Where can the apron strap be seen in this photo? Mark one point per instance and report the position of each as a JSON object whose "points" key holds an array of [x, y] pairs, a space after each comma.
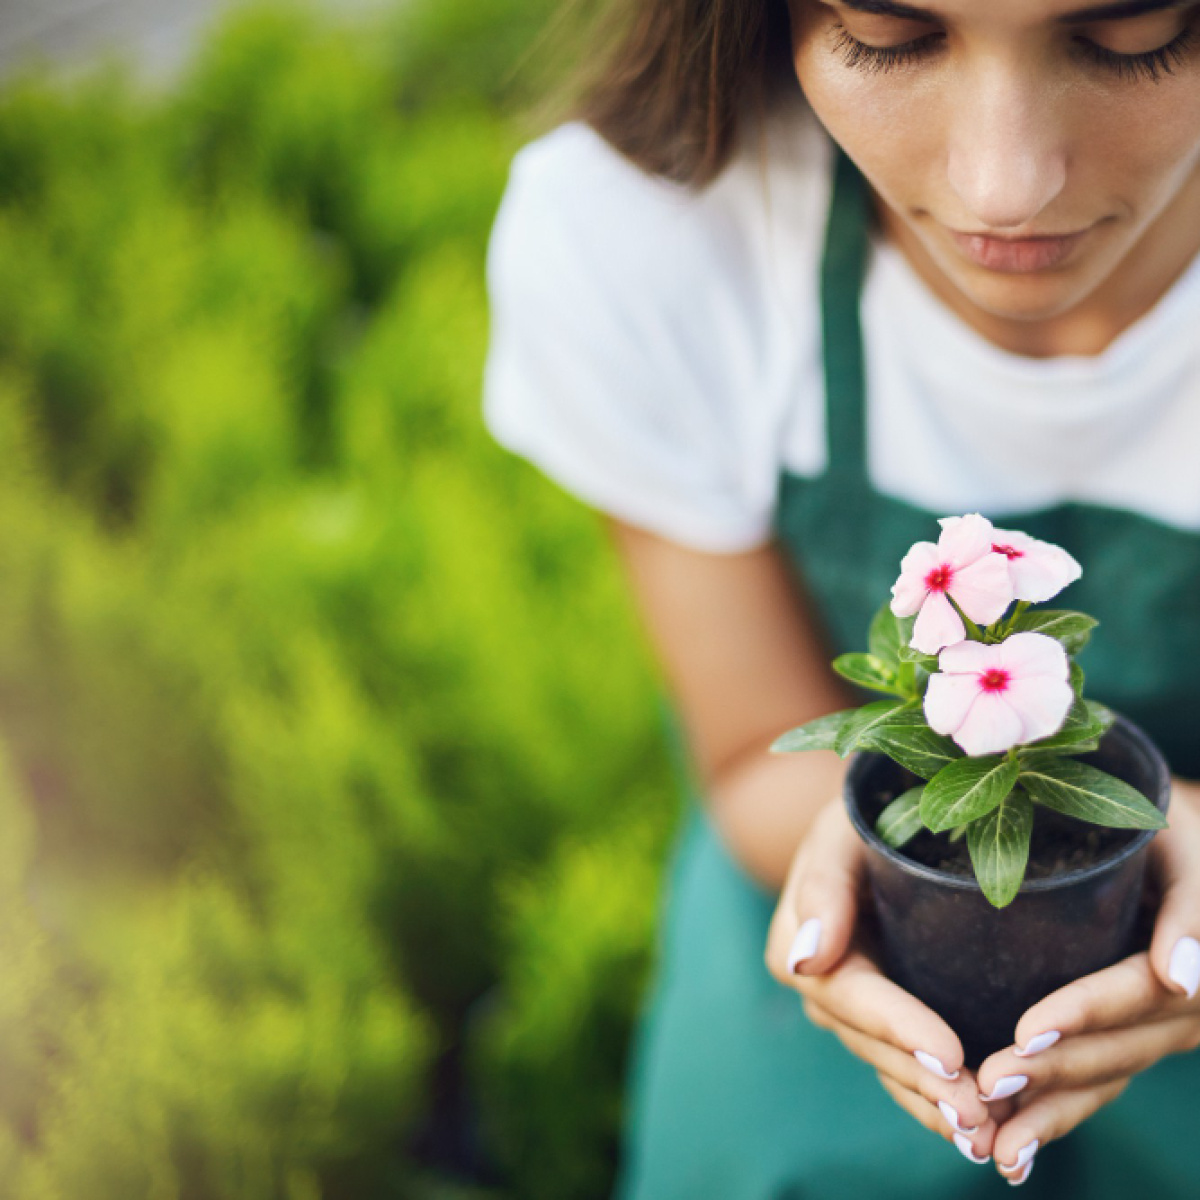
{"points": [[843, 269]]}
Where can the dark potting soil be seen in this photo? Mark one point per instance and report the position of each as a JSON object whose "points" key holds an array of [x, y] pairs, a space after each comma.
{"points": [[1058, 844]]}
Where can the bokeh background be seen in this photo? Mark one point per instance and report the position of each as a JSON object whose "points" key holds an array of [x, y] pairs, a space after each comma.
{"points": [[333, 797]]}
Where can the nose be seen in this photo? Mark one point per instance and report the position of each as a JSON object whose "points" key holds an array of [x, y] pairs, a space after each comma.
{"points": [[1006, 160]]}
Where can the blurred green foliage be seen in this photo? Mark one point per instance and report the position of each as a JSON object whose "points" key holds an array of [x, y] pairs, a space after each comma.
{"points": [[332, 787]]}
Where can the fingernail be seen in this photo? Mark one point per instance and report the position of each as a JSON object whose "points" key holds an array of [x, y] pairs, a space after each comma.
{"points": [[1024, 1156], [1017, 1180], [951, 1115], [804, 944], [1006, 1085], [1043, 1041], [932, 1064], [967, 1150], [1184, 967]]}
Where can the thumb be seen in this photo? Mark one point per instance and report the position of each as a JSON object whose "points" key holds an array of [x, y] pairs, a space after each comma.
{"points": [[1175, 946], [815, 917]]}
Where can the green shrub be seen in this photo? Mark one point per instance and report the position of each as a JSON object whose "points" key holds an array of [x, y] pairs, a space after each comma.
{"points": [[552, 1048], [329, 723]]}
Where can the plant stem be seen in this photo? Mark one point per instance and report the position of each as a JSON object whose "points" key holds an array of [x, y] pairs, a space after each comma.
{"points": [[973, 630], [1022, 605], [956, 834]]}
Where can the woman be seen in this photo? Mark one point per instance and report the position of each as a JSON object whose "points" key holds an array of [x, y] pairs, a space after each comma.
{"points": [[774, 336]]}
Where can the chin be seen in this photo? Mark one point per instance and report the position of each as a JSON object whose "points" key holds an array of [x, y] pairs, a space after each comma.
{"points": [[1039, 297], [1026, 296]]}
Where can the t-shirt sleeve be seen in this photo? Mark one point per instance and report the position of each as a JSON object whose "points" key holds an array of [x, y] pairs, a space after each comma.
{"points": [[604, 366]]}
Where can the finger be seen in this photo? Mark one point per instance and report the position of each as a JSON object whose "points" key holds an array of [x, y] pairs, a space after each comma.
{"points": [[1046, 1117], [814, 919], [1175, 946], [956, 1099], [1127, 992], [858, 995], [929, 1116], [1090, 1059]]}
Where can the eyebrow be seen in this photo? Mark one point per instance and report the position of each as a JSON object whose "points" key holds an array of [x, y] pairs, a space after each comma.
{"points": [[1122, 10]]}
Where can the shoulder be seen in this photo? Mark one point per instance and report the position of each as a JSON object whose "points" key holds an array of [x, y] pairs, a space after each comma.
{"points": [[576, 209], [648, 340]]}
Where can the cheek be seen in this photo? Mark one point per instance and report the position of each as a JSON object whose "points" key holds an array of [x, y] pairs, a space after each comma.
{"points": [[890, 126], [1143, 141]]}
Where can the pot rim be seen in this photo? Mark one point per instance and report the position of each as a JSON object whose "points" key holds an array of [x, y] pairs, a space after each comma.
{"points": [[1134, 737]]}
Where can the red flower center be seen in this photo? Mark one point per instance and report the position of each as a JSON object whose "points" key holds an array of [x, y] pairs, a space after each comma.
{"points": [[994, 680], [938, 580], [1008, 551]]}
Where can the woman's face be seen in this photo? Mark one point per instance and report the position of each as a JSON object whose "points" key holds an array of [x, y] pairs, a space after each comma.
{"points": [[986, 125]]}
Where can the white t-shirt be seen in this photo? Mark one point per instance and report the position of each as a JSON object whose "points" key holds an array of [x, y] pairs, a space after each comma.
{"points": [[656, 351]]}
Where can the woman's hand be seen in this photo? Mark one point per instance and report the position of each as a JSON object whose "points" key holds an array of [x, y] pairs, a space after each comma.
{"points": [[814, 946], [1082, 1044]]}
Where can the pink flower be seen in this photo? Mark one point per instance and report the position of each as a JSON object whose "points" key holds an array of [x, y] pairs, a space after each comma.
{"points": [[1039, 570], [988, 698], [961, 567]]}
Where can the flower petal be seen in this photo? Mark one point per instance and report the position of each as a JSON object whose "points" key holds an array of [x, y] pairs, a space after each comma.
{"points": [[909, 591], [964, 539], [908, 594], [1043, 573], [968, 658], [990, 727], [1041, 704], [937, 626], [948, 699], [921, 558], [1028, 655], [1019, 541], [984, 589]]}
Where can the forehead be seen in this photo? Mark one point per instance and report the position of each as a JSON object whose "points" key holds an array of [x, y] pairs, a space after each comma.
{"points": [[1015, 12]]}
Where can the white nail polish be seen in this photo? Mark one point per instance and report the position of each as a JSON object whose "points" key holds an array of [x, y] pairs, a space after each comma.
{"points": [[967, 1150], [1043, 1041], [932, 1064], [951, 1115], [1024, 1156], [1017, 1180], [1026, 1153], [1184, 966], [804, 944], [1006, 1085]]}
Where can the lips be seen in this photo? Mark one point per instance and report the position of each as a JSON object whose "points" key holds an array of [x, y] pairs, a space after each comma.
{"points": [[1016, 255]]}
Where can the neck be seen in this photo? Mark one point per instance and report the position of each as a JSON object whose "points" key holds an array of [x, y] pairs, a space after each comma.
{"points": [[1156, 260]]}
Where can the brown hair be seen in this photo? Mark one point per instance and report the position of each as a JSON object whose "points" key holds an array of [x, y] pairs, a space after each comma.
{"points": [[680, 78]]}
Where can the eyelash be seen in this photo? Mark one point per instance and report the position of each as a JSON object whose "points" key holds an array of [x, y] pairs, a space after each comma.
{"points": [[1152, 64]]}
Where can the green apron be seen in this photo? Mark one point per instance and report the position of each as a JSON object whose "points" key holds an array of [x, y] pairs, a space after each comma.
{"points": [[734, 1094]]}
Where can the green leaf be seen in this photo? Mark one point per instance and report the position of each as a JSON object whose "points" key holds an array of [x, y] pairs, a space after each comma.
{"points": [[865, 720], [867, 671], [1089, 794], [913, 745], [888, 633], [1071, 628], [999, 846], [1104, 717], [901, 820], [819, 734], [1081, 747], [912, 679], [1077, 678], [928, 661], [966, 789], [884, 636]]}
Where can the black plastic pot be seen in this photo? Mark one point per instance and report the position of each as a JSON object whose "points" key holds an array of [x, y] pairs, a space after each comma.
{"points": [[980, 967]]}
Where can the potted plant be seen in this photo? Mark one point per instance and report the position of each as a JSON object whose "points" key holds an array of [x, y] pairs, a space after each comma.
{"points": [[1006, 815]]}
